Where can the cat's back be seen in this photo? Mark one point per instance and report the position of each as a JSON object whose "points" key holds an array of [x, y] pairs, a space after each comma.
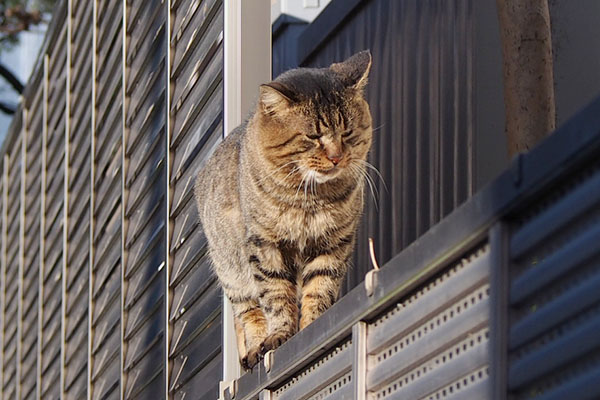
{"points": [[217, 181]]}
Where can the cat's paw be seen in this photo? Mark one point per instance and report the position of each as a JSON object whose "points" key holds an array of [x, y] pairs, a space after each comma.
{"points": [[251, 359], [273, 341]]}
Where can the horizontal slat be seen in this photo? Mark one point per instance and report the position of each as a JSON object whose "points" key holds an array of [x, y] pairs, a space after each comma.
{"points": [[195, 122], [192, 256], [454, 285], [183, 188], [577, 202], [198, 356], [446, 373], [192, 29], [583, 247], [184, 225], [325, 372], [204, 383], [559, 309], [195, 318], [198, 76], [570, 346], [585, 386], [433, 340]]}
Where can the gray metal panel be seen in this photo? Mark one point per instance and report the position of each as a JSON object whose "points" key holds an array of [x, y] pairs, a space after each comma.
{"points": [[421, 100], [144, 225], [10, 278], [106, 212], [31, 253], [322, 377], [78, 207], [52, 239], [435, 336], [196, 127], [554, 347]]}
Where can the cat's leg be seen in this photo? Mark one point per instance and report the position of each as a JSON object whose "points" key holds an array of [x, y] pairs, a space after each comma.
{"points": [[321, 280], [278, 298], [240, 337], [250, 326]]}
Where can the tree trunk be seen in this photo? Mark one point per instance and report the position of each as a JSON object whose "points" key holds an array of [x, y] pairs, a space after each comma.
{"points": [[528, 74]]}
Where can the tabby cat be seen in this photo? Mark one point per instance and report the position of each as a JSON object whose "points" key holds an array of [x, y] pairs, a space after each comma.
{"points": [[280, 200]]}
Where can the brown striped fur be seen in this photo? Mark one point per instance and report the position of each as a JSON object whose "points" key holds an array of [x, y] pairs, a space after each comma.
{"points": [[280, 201]]}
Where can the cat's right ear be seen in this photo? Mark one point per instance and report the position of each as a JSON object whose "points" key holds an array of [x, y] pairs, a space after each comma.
{"points": [[275, 98]]}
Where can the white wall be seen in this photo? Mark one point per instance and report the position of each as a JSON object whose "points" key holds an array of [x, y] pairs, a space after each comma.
{"points": [[306, 10]]}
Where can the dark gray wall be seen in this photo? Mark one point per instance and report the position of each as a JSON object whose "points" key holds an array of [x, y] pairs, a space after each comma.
{"points": [[576, 47], [429, 58]]}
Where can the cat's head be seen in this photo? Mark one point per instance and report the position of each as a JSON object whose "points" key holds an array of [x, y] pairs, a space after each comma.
{"points": [[316, 121]]}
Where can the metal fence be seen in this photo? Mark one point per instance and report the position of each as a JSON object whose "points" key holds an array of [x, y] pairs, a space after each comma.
{"points": [[106, 291], [500, 300]]}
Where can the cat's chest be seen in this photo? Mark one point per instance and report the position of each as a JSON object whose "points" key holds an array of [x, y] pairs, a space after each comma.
{"points": [[300, 225]]}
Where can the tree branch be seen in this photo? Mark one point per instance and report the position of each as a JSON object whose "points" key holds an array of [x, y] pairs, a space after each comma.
{"points": [[6, 109], [11, 78]]}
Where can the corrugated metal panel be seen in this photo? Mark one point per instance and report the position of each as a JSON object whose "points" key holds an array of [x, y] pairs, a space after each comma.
{"points": [[78, 207], [145, 202], [53, 207], [196, 127], [421, 96], [553, 342], [11, 281], [106, 208], [31, 252], [3, 324]]}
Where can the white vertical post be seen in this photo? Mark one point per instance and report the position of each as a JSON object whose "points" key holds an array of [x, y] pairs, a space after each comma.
{"points": [[123, 228], [247, 46], [167, 272]]}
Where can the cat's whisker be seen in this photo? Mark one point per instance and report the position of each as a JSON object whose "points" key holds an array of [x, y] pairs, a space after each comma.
{"points": [[373, 168], [372, 187], [277, 170], [299, 186], [378, 128]]}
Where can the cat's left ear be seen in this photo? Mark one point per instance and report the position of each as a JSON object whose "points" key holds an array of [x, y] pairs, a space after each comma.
{"points": [[354, 71], [275, 98]]}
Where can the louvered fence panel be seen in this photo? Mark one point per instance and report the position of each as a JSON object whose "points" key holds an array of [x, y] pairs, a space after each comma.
{"points": [[329, 377], [53, 220], [106, 205], [434, 344], [31, 252], [554, 345], [3, 323], [10, 339], [78, 203], [196, 122], [145, 225]]}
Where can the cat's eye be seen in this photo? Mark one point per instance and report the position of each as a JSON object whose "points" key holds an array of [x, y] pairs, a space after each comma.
{"points": [[347, 133], [313, 136]]}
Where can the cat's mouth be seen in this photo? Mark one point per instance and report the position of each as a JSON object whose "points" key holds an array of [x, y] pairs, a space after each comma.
{"points": [[324, 175]]}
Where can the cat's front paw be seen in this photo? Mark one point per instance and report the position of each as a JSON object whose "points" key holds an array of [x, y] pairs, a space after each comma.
{"points": [[251, 359], [273, 341]]}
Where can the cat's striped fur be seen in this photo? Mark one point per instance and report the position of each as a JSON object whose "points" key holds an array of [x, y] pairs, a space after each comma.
{"points": [[280, 201]]}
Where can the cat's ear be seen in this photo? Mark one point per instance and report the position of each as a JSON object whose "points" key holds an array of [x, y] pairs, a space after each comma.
{"points": [[354, 71], [275, 98]]}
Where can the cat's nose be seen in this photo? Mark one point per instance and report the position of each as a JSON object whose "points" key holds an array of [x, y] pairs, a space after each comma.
{"points": [[334, 158]]}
